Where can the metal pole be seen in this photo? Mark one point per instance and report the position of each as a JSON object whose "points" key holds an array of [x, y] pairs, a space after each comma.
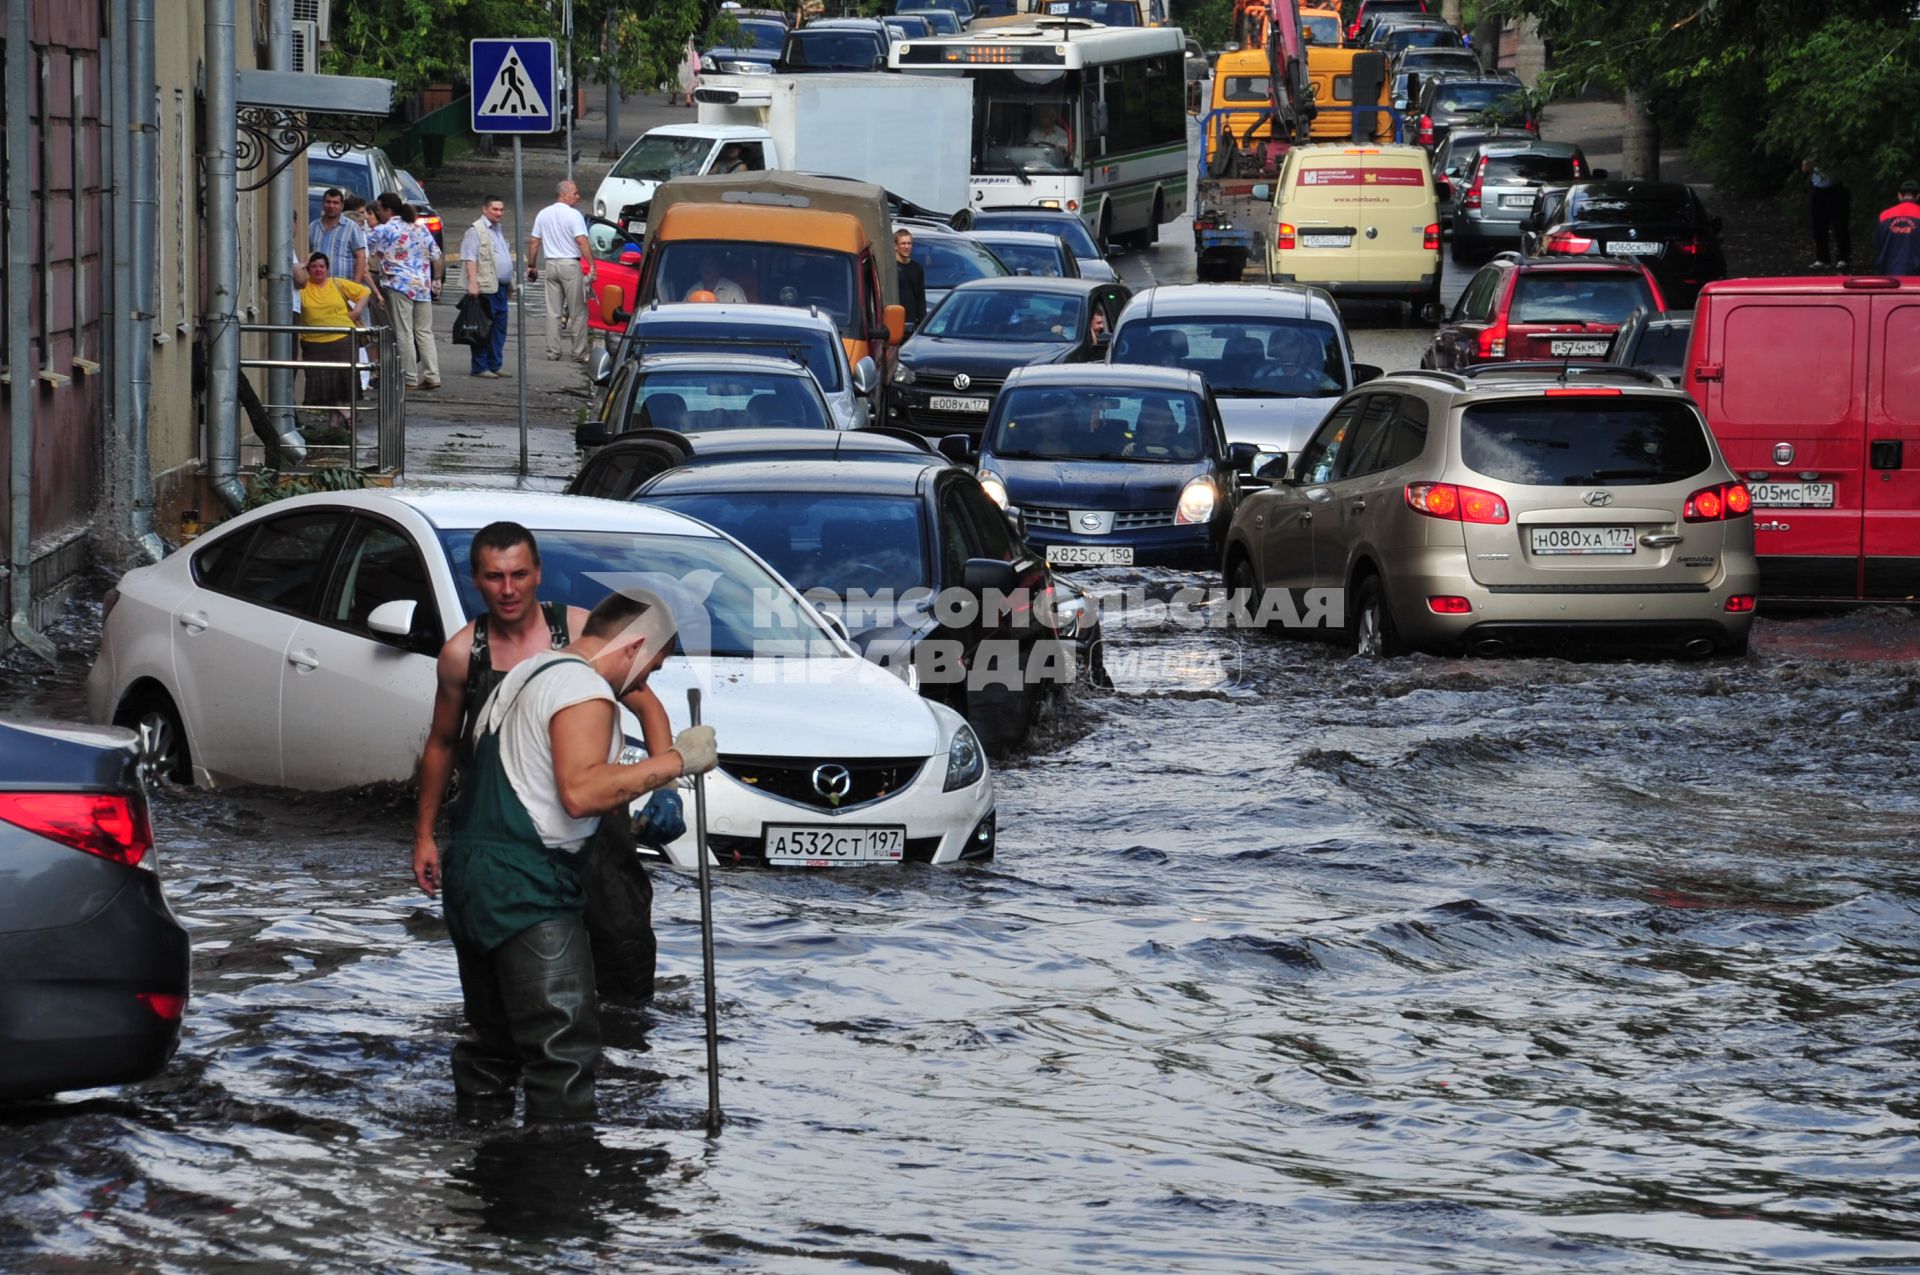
{"points": [[20, 277], [566, 29], [116, 234], [223, 350], [706, 929], [280, 214], [143, 297], [519, 296]]}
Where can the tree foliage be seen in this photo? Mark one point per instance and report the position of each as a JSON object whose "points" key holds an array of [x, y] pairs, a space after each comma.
{"points": [[1756, 85]]}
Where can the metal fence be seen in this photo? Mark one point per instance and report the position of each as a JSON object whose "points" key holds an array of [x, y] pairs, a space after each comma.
{"points": [[375, 405]]}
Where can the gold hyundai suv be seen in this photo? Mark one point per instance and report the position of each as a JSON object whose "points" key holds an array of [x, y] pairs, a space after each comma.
{"points": [[1508, 504]]}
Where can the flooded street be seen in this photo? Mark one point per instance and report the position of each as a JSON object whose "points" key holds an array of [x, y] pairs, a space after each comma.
{"points": [[1288, 961]]}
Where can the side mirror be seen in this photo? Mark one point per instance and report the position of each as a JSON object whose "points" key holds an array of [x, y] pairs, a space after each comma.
{"points": [[1432, 313], [1273, 469], [1399, 103], [1103, 338], [1598, 174], [981, 574], [866, 376], [895, 317], [1263, 192], [1243, 455], [603, 366], [612, 297], [1364, 372], [394, 619], [1018, 521], [590, 434], [957, 448], [629, 256]]}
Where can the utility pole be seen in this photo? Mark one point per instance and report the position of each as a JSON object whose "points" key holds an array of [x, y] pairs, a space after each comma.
{"points": [[566, 31]]}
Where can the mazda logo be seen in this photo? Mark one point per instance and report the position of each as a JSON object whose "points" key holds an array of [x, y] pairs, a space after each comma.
{"points": [[961, 381], [833, 781], [1783, 453], [1598, 498], [1090, 521]]}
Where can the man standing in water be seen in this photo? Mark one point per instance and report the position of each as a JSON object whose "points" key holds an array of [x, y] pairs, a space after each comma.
{"points": [[505, 562], [546, 768]]}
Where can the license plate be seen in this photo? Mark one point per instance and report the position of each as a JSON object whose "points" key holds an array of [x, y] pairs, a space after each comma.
{"points": [[1575, 540], [1092, 555], [1631, 248], [1579, 347], [941, 404], [829, 847], [1326, 241], [1516, 201], [1792, 495]]}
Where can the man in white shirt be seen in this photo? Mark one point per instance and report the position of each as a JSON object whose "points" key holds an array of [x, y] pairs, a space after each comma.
{"points": [[559, 246]]}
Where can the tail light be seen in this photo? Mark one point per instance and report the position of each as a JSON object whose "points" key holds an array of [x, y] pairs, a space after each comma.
{"points": [[1714, 504], [1686, 247], [434, 224], [1532, 126], [167, 1005], [1472, 199], [1567, 242], [1448, 604], [1456, 503], [1426, 130], [1204, 223], [102, 824], [1492, 341], [1430, 237], [1739, 603], [1283, 236]]}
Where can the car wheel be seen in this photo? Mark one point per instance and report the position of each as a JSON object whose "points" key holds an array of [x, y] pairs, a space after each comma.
{"points": [[165, 754], [1244, 583], [1105, 238], [1374, 634], [1001, 717]]}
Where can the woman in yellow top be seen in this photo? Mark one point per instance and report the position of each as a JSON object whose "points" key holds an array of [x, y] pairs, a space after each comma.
{"points": [[327, 302]]}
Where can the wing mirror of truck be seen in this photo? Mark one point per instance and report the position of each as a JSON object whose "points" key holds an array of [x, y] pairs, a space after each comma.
{"points": [[1243, 455], [612, 297], [957, 448], [865, 375], [1364, 372], [1263, 192], [895, 317]]}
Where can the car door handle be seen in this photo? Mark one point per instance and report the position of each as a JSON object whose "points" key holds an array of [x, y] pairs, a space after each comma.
{"points": [[1661, 540], [193, 621], [1359, 503], [306, 661], [1319, 494], [1306, 515]]}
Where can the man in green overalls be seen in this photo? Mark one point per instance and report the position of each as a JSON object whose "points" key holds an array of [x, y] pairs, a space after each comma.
{"points": [[545, 769]]}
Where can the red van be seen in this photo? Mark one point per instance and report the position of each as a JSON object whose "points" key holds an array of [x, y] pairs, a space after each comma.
{"points": [[1812, 387]]}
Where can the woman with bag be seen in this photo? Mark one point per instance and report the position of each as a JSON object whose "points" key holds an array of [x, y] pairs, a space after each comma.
{"points": [[327, 302]]}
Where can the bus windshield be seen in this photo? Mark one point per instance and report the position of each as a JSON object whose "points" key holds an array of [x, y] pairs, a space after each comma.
{"points": [[1027, 134]]}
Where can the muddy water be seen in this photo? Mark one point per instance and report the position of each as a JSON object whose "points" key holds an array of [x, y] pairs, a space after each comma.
{"points": [[1288, 962]]}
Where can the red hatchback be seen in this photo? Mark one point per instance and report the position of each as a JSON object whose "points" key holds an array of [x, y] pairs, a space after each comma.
{"points": [[616, 277], [1529, 309]]}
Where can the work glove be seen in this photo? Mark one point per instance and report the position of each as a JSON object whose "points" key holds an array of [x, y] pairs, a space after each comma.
{"points": [[661, 820], [697, 752]]}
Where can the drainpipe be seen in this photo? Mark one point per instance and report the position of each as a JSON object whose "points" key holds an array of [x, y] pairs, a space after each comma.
{"points": [[21, 276], [279, 238], [144, 132], [222, 319]]}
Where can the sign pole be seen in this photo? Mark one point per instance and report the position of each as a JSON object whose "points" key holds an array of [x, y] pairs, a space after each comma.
{"points": [[520, 298], [566, 24]]}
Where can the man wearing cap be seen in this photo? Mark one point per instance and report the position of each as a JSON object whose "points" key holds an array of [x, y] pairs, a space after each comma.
{"points": [[1896, 236]]}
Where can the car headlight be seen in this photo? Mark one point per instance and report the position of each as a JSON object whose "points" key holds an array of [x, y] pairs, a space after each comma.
{"points": [[903, 375], [1069, 612], [966, 761], [753, 68], [1197, 501], [994, 486]]}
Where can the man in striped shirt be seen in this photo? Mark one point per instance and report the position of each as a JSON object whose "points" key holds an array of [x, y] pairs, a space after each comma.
{"points": [[342, 239]]}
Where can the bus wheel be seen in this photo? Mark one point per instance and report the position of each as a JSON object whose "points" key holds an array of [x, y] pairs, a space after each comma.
{"points": [[1151, 235], [1105, 239]]}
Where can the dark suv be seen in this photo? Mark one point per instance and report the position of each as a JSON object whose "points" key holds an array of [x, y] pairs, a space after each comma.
{"points": [[1534, 308], [1662, 225], [1459, 101]]}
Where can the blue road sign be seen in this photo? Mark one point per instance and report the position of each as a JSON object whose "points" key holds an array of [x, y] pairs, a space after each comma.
{"points": [[514, 86]]}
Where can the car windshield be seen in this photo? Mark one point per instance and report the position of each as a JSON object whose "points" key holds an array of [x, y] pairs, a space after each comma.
{"points": [[658, 157], [1084, 423], [1072, 229], [1529, 169], [988, 314], [942, 22], [1246, 88], [718, 594], [959, 8], [1420, 38], [1112, 13], [1574, 442], [1427, 61], [909, 25], [719, 398], [950, 260], [737, 272], [818, 348], [756, 33], [832, 47], [353, 176], [1029, 259], [1322, 29], [1241, 358], [1510, 99], [1579, 296], [820, 540], [1630, 210], [410, 190]]}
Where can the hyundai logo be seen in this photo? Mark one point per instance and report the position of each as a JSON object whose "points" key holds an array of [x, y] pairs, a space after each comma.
{"points": [[1783, 453], [1090, 521], [1598, 498], [961, 381], [833, 781]]}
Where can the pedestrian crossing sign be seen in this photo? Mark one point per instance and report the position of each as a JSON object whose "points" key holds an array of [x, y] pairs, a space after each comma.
{"points": [[513, 86]]}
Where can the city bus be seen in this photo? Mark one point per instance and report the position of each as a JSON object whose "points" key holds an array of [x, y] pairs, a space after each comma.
{"points": [[1072, 115]]}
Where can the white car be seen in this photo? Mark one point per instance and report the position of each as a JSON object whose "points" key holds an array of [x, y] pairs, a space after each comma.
{"points": [[295, 646]]}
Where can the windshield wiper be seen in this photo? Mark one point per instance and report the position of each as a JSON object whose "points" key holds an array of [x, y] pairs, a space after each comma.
{"points": [[1026, 455]]}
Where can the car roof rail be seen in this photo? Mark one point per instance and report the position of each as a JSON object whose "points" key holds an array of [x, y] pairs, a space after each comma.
{"points": [[900, 432], [1510, 254], [1453, 379], [1532, 368]]}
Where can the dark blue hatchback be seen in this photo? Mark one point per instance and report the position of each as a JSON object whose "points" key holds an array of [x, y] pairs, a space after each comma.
{"points": [[1113, 466]]}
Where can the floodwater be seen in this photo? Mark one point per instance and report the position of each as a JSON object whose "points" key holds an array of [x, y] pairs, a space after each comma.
{"points": [[1288, 961]]}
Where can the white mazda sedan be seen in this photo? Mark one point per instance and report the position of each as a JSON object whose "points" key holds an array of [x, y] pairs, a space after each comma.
{"points": [[295, 646]]}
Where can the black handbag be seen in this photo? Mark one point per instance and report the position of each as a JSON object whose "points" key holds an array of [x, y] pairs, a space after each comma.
{"points": [[473, 324]]}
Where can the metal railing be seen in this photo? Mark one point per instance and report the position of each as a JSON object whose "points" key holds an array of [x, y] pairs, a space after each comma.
{"points": [[376, 415]]}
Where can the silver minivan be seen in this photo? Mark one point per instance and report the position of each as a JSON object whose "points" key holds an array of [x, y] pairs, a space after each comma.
{"points": [[1275, 355], [1493, 194]]}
